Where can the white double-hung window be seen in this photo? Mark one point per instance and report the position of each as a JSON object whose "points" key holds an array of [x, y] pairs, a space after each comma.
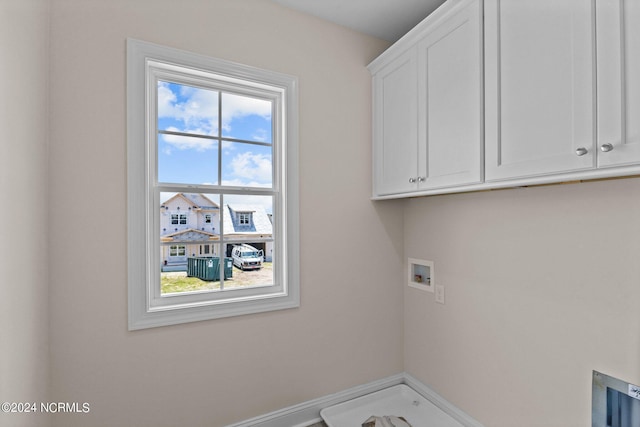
{"points": [[208, 139]]}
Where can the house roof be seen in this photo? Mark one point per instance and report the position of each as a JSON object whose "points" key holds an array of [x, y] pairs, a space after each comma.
{"points": [[260, 224], [197, 200]]}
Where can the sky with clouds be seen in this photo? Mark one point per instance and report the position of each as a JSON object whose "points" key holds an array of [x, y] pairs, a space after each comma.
{"points": [[194, 159]]}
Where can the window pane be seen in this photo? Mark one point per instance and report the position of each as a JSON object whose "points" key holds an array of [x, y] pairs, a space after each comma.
{"points": [[189, 239], [198, 212], [198, 275], [247, 165], [187, 160], [251, 265], [248, 230], [188, 109], [246, 118], [248, 217]]}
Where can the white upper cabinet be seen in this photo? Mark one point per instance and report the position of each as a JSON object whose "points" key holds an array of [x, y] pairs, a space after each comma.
{"points": [[618, 32], [496, 93], [540, 87], [450, 109], [396, 125], [427, 111]]}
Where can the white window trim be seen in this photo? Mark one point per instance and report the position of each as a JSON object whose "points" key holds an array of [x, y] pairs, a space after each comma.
{"points": [[143, 256]]}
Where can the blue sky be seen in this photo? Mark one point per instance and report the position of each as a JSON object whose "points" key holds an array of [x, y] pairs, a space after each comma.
{"points": [[193, 160]]}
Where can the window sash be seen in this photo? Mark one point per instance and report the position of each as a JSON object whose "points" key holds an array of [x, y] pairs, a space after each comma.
{"points": [[162, 72]]}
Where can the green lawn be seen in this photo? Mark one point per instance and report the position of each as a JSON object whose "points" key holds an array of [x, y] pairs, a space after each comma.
{"points": [[172, 282]]}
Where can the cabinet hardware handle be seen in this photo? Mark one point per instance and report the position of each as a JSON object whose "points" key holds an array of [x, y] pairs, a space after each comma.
{"points": [[581, 151], [421, 179], [412, 180], [606, 147]]}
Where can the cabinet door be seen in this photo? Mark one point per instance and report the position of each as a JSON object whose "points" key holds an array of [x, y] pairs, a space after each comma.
{"points": [[618, 82], [450, 102], [396, 126], [539, 82]]}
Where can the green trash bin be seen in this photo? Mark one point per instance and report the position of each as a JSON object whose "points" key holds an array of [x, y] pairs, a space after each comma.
{"points": [[207, 269], [189, 268], [210, 269], [228, 268], [192, 267]]}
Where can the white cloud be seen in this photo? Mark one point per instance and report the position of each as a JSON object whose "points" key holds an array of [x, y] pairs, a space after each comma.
{"points": [[243, 183], [234, 106], [196, 108], [166, 101], [256, 167], [260, 135]]}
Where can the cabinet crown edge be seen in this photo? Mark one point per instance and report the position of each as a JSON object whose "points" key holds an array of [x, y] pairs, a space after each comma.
{"points": [[424, 27]]}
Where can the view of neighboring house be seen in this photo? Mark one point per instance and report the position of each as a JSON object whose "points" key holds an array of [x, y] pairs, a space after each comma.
{"points": [[190, 227]]}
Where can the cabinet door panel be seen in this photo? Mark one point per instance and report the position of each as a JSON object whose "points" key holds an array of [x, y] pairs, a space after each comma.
{"points": [[618, 81], [450, 105], [539, 87], [396, 126]]}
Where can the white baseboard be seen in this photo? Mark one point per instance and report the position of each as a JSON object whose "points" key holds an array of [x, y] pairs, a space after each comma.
{"points": [[307, 413], [446, 406]]}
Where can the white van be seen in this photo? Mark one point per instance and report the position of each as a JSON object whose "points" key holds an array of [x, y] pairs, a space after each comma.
{"points": [[246, 257]]}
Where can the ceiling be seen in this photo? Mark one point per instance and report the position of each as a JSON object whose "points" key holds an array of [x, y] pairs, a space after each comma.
{"points": [[385, 19]]}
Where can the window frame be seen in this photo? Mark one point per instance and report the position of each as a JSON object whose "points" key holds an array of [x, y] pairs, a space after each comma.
{"points": [[146, 307]]}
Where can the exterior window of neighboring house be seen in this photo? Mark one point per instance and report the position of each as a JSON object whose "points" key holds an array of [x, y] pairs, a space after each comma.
{"points": [[220, 137], [244, 218], [179, 219], [178, 250]]}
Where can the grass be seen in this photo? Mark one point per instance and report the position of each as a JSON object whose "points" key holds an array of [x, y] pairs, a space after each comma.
{"points": [[175, 282]]}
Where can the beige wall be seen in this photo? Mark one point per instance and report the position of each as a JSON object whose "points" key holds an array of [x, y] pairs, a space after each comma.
{"points": [[348, 328], [24, 354], [542, 287], [541, 283]]}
